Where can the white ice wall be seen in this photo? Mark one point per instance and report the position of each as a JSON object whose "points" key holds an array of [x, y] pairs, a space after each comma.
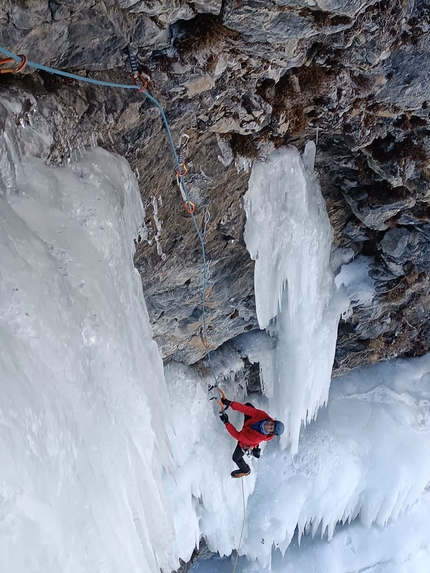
{"points": [[288, 234], [83, 402]]}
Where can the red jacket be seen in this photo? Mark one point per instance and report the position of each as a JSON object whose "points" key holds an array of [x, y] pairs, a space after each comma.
{"points": [[248, 437]]}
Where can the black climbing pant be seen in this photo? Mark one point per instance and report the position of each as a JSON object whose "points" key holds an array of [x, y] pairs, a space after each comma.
{"points": [[238, 459]]}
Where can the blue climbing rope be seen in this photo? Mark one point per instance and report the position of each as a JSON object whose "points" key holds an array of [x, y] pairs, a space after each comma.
{"points": [[19, 59], [67, 74]]}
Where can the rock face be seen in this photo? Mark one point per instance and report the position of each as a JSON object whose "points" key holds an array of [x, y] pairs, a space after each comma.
{"points": [[241, 78]]}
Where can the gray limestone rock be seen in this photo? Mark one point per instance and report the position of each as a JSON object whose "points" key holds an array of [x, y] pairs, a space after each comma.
{"points": [[375, 206], [394, 243], [259, 22], [243, 78], [342, 7], [408, 70]]}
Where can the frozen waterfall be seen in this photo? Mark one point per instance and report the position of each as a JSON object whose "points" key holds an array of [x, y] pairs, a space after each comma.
{"points": [[289, 236], [83, 404], [111, 463]]}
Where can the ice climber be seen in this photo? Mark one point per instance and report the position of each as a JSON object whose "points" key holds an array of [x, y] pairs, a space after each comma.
{"points": [[258, 427]]}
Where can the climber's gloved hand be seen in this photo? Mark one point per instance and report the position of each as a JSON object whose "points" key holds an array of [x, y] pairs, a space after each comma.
{"points": [[256, 452], [224, 418], [226, 403]]}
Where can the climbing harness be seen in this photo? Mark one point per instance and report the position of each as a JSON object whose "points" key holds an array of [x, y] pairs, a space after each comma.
{"points": [[10, 60], [137, 78]]}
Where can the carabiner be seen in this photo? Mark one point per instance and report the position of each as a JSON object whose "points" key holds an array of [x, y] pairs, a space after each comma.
{"points": [[21, 65]]}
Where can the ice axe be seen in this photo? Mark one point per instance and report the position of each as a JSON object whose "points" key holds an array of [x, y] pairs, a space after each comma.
{"points": [[219, 401]]}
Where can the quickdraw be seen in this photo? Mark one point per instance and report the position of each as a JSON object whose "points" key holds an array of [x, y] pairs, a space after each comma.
{"points": [[181, 171], [135, 74], [189, 205], [203, 338], [19, 68]]}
